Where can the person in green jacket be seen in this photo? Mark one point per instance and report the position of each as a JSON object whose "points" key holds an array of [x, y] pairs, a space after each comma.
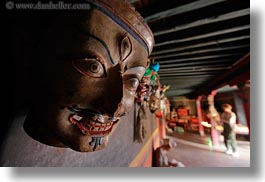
{"points": [[228, 118]]}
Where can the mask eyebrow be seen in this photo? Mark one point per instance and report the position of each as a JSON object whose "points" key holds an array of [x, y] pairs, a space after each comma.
{"points": [[135, 70], [99, 40]]}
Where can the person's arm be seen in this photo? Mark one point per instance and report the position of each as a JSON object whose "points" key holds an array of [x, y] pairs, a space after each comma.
{"points": [[222, 119], [232, 120]]}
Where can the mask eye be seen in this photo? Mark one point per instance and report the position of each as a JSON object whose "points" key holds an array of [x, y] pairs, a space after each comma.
{"points": [[125, 48], [131, 84], [90, 67], [95, 68]]}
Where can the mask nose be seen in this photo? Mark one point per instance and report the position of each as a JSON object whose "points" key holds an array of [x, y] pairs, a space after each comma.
{"points": [[119, 99], [120, 92], [113, 89], [129, 94], [124, 106]]}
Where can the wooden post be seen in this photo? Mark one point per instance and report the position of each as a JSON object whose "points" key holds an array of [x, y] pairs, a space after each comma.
{"points": [[199, 114], [213, 114], [246, 98], [161, 126]]}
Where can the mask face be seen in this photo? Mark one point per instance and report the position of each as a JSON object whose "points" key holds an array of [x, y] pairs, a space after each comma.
{"points": [[89, 72], [154, 101]]}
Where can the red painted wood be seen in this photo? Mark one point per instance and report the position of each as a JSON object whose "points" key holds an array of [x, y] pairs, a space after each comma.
{"points": [[148, 161], [199, 114]]}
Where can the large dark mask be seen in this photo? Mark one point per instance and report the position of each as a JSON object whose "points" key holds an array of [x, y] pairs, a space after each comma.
{"points": [[91, 64]]}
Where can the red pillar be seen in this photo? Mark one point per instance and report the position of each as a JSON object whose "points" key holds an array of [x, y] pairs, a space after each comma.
{"points": [[247, 110], [199, 113], [246, 97], [161, 126], [163, 120]]}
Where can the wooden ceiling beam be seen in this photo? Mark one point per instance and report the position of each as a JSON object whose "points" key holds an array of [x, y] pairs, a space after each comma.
{"points": [[197, 58], [181, 9], [198, 67], [186, 77], [241, 67], [202, 51], [201, 45], [206, 35], [191, 73], [199, 63], [192, 80], [227, 16], [133, 1], [193, 69]]}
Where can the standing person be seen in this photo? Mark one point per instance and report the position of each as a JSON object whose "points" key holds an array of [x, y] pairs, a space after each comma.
{"points": [[228, 118]]}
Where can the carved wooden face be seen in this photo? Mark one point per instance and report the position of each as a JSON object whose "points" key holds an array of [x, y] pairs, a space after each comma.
{"points": [[154, 103], [91, 70]]}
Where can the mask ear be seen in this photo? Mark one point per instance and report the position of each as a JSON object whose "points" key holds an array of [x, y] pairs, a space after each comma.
{"points": [[125, 47], [148, 63]]}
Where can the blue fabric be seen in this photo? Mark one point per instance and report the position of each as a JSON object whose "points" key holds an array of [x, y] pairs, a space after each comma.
{"points": [[155, 67]]}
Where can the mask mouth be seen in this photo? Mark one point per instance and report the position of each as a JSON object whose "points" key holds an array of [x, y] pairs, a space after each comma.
{"points": [[91, 123]]}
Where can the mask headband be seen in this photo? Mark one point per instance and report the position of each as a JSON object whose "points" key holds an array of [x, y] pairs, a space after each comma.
{"points": [[124, 14]]}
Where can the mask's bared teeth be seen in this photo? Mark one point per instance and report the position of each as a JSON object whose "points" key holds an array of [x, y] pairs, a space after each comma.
{"points": [[102, 129], [92, 122], [84, 132], [88, 128], [74, 118], [94, 129], [85, 124], [98, 118], [114, 119], [107, 128], [82, 129], [77, 118], [93, 126]]}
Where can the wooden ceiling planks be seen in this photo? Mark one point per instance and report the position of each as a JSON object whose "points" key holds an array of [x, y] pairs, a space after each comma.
{"points": [[197, 41]]}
